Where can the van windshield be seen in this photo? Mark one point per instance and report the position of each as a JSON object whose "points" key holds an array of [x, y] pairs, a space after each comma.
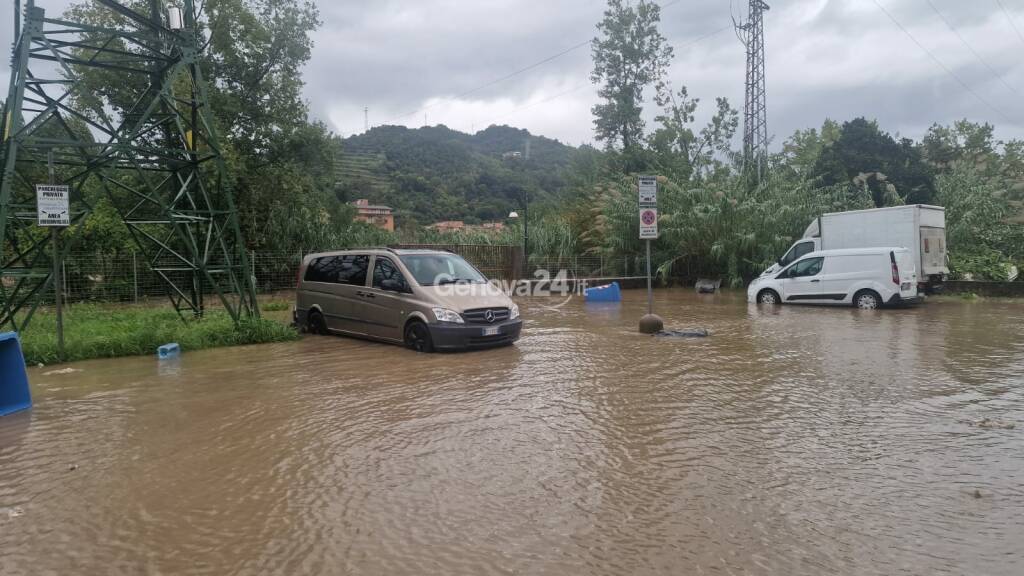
{"points": [[438, 269]]}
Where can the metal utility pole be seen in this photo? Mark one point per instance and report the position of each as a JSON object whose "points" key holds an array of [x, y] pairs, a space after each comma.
{"points": [[755, 124], [526, 211], [148, 143]]}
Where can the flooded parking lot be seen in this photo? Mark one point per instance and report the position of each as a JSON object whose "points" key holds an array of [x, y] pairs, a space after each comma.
{"points": [[792, 441]]}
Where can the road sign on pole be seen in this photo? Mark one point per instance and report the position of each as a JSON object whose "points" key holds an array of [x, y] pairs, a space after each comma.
{"points": [[648, 189], [647, 196], [648, 223]]}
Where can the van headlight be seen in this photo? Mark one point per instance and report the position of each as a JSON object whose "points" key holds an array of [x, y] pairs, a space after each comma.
{"points": [[446, 315], [513, 312]]}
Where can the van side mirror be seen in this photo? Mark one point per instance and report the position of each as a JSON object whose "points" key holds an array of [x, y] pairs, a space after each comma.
{"points": [[393, 285]]}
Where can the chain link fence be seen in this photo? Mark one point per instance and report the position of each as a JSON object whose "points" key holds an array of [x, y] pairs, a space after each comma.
{"points": [[126, 277]]}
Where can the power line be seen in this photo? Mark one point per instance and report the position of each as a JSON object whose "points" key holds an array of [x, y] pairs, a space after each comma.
{"points": [[1010, 19], [971, 48], [678, 45], [939, 62], [522, 70]]}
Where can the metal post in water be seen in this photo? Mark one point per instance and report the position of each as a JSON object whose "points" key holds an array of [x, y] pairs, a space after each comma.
{"points": [[650, 296], [57, 265], [135, 277]]}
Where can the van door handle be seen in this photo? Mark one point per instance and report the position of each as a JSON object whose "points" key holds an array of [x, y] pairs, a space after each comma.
{"points": [[815, 280], [365, 294]]}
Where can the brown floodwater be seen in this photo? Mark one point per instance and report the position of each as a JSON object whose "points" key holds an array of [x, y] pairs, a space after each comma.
{"points": [[791, 441]]}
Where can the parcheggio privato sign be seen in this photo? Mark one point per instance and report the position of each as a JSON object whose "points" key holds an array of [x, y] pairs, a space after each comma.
{"points": [[53, 205]]}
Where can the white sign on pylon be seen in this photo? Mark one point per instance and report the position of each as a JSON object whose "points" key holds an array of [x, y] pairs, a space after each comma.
{"points": [[53, 205]]}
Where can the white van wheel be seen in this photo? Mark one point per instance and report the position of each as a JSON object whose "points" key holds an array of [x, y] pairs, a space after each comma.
{"points": [[769, 297], [867, 300]]}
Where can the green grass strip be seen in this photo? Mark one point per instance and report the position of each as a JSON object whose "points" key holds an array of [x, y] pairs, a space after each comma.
{"points": [[93, 331]]}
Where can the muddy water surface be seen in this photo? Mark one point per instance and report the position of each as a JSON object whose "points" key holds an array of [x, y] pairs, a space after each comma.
{"points": [[792, 441]]}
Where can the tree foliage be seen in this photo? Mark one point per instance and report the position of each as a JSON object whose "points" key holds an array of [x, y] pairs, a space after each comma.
{"points": [[862, 150], [681, 153], [630, 55]]}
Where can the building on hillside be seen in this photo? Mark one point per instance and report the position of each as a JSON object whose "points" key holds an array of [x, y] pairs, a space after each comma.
{"points": [[380, 216], [448, 225], [453, 225]]}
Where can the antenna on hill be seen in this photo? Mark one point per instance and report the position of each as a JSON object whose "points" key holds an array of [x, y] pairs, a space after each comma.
{"points": [[366, 118], [526, 154], [755, 124]]}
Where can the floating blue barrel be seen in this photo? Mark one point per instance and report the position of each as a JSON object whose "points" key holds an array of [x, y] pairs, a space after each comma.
{"points": [[14, 393], [166, 351], [606, 293]]}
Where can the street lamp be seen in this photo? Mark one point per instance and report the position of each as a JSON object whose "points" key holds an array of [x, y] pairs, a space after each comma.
{"points": [[526, 252]]}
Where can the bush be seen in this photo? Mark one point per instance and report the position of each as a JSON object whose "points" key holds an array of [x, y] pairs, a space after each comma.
{"points": [[979, 265]]}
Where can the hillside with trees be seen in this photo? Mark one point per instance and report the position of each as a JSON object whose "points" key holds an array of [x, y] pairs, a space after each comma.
{"points": [[435, 173]]}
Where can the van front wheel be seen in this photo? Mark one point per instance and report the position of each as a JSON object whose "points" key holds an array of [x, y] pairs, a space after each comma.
{"points": [[867, 300], [417, 337], [769, 297]]}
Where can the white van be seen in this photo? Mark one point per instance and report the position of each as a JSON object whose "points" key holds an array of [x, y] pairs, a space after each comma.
{"points": [[864, 277]]}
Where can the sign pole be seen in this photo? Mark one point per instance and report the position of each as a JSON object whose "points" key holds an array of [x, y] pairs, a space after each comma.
{"points": [[650, 294], [57, 266], [647, 189]]}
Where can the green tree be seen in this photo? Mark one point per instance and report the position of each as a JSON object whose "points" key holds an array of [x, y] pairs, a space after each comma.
{"points": [[801, 150], [629, 55], [281, 164], [862, 149], [679, 152]]}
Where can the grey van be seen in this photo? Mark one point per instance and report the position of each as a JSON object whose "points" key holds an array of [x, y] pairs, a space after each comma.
{"points": [[425, 299]]}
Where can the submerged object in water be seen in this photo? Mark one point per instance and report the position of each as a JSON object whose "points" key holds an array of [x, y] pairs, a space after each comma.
{"points": [[606, 293], [171, 350], [689, 333], [705, 286]]}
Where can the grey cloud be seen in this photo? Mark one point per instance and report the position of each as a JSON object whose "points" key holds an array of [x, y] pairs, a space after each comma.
{"points": [[835, 58]]}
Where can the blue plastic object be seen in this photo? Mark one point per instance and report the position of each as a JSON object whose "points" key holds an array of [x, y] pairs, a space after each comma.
{"points": [[14, 393], [606, 293], [171, 350]]}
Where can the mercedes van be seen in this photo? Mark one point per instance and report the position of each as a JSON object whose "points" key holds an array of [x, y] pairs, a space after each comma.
{"points": [[426, 299], [866, 278]]}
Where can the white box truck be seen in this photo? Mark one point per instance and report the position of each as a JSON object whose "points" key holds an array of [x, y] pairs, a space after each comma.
{"points": [[918, 228]]}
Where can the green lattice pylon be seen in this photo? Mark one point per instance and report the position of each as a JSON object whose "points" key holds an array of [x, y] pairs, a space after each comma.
{"points": [[122, 110]]}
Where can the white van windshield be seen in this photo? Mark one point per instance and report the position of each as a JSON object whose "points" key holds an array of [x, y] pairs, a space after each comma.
{"points": [[438, 269]]}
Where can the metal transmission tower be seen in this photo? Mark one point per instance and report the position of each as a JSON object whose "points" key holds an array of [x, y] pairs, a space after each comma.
{"points": [[121, 108], [755, 125]]}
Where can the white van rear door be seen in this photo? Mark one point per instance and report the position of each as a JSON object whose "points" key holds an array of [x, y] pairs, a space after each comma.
{"points": [[908, 273]]}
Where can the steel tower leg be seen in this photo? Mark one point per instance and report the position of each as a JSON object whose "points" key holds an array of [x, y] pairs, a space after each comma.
{"points": [[124, 108]]}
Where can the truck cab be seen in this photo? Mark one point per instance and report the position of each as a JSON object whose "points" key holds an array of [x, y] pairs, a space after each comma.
{"points": [[801, 248]]}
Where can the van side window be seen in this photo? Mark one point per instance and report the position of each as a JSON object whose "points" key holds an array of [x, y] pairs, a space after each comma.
{"points": [[316, 271], [350, 269], [353, 270], [809, 267], [387, 276]]}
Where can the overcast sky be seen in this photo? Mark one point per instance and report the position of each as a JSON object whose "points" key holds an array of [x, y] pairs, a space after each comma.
{"points": [[442, 61]]}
